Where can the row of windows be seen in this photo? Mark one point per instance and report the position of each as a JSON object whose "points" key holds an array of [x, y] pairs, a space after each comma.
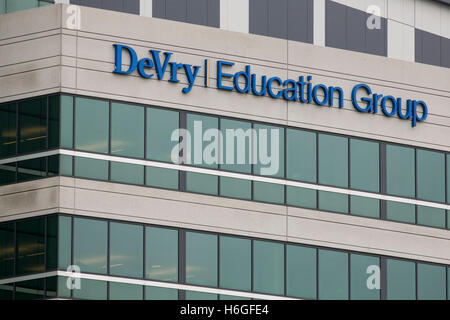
{"points": [[228, 262]]}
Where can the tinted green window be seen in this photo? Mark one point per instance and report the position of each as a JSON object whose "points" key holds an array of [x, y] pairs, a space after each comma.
{"points": [[64, 242], [127, 173], [52, 243], [90, 242], [227, 297], [30, 246], [364, 165], [30, 290], [50, 287], [201, 183], [301, 272], [126, 250], [432, 217], [301, 197], [400, 176], [235, 263], [125, 291], [31, 169], [268, 192], [14, 5], [448, 178], [235, 188], [268, 267], [401, 280], [8, 173], [365, 277], [195, 295], [431, 282], [430, 175], [53, 121], [8, 134], [197, 126], [91, 125], [127, 130], [7, 250], [333, 160], [2, 6], [157, 293], [334, 202], [6, 290], [161, 178], [401, 212], [53, 166], [33, 125], [236, 145], [62, 289], [67, 122], [91, 290], [201, 259], [66, 165], [333, 275], [301, 155], [44, 3], [161, 254], [365, 207], [160, 126], [91, 168], [270, 151]]}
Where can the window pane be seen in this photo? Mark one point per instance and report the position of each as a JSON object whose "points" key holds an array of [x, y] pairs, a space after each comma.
{"points": [[14, 5], [127, 130], [52, 243], [91, 125], [301, 155], [53, 122], [235, 263], [334, 202], [2, 6], [301, 272], [66, 165], [196, 126], [33, 125], [201, 183], [333, 275], [448, 178], [161, 254], [161, 178], [201, 259], [268, 267], [301, 197], [401, 280], [227, 297], [430, 175], [400, 176], [127, 173], [270, 151], [30, 246], [365, 277], [91, 168], [6, 291], [365, 168], [32, 169], [8, 133], [90, 245], [30, 290], [160, 125], [365, 207], [53, 166], [402, 212], [430, 282], [125, 291], [235, 188], [157, 293], [67, 122], [195, 295], [62, 290], [64, 242], [50, 287], [8, 173], [237, 137], [126, 250], [333, 160], [432, 217], [268, 192], [91, 290], [6, 250]]}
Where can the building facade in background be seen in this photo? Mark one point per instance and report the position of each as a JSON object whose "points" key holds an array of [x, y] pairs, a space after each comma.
{"points": [[225, 149]]}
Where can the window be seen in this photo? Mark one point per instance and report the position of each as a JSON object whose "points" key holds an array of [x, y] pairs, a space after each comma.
{"points": [[268, 192], [64, 242], [301, 197], [30, 246], [29, 290], [364, 272], [301, 155], [8, 134], [127, 130], [401, 280], [161, 255], [33, 125], [201, 183], [158, 293], [235, 263], [301, 272], [91, 125], [160, 126], [8, 173], [333, 160], [431, 282], [430, 175], [91, 290], [53, 121], [67, 122], [125, 291], [268, 267], [51, 243], [400, 171], [270, 151], [401, 212], [31, 169], [126, 250], [432, 217], [365, 207], [235, 188], [333, 275], [161, 178], [91, 168], [127, 173], [201, 259], [90, 241], [7, 250], [196, 295], [333, 202]]}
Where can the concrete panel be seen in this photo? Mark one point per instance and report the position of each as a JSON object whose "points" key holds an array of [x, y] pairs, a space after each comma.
{"points": [[234, 15], [146, 8], [319, 22], [400, 41], [401, 11], [428, 16]]}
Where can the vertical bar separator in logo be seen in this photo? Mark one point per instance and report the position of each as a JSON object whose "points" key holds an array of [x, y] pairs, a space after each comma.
{"points": [[207, 71]]}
